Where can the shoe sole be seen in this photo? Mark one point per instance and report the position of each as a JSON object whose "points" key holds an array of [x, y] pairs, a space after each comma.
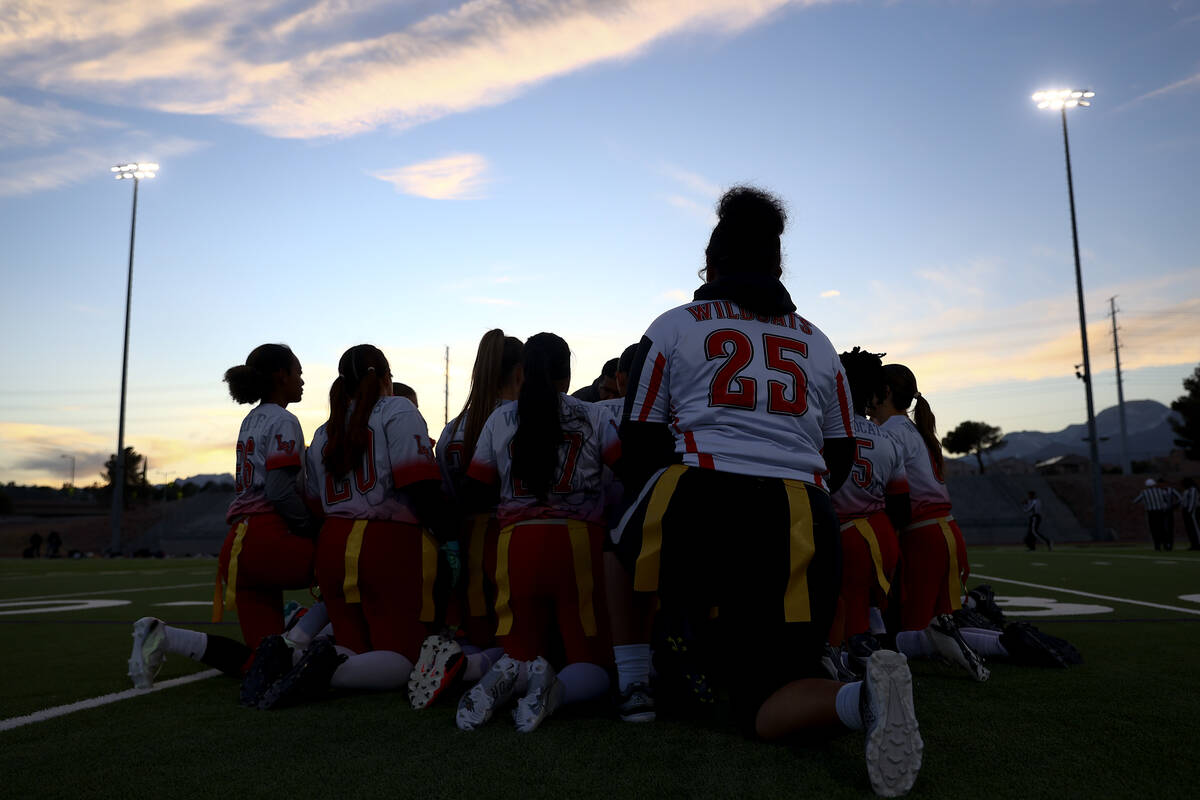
{"points": [[950, 649], [482, 703], [894, 746], [139, 671], [443, 667]]}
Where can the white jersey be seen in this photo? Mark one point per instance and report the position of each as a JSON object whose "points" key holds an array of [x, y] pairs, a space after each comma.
{"points": [[877, 471], [1189, 499], [1033, 507], [270, 438], [742, 392], [398, 454], [589, 444], [926, 487], [614, 406], [450, 454]]}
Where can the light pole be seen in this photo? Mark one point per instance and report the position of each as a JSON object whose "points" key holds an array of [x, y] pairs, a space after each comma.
{"points": [[72, 483], [1060, 100], [135, 173]]}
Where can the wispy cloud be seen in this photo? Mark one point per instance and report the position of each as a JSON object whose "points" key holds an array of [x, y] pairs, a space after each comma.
{"points": [[456, 177], [677, 295], [1192, 82], [23, 125], [75, 164], [491, 301], [314, 69], [831, 293]]}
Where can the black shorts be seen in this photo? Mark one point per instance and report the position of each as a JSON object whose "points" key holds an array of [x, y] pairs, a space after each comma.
{"points": [[765, 553]]}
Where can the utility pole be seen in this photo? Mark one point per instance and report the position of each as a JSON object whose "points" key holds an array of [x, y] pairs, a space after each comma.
{"points": [[446, 396], [1126, 468]]}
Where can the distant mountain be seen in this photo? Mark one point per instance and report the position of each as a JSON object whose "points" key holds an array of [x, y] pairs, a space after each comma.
{"points": [[200, 480], [1148, 435]]}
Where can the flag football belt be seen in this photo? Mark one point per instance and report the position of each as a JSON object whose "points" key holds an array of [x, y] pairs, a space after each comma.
{"points": [[225, 598], [476, 603], [429, 555], [581, 554], [954, 581], [864, 528], [800, 533]]}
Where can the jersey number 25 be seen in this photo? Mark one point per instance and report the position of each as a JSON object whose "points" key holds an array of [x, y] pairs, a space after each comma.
{"points": [[731, 389]]}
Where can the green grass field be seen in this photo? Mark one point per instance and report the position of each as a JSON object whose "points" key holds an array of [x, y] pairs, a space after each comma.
{"points": [[1121, 725]]}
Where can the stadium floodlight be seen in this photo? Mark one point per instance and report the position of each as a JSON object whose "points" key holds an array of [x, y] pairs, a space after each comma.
{"points": [[136, 172], [1060, 100]]}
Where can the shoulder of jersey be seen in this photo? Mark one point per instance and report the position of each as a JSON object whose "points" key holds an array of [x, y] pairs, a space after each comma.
{"points": [[394, 404]]}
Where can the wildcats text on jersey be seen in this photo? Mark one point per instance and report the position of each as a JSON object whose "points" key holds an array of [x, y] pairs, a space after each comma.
{"points": [[725, 309]]}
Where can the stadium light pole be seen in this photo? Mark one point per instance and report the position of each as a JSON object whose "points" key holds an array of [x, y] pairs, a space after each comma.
{"points": [[72, 483], [1060, 100], [135, 173]]}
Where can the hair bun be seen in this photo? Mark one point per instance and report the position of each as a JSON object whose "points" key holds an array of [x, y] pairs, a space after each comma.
{"points": [[745, 205]]}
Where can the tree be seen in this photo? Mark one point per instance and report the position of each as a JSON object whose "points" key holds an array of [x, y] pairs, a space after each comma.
{"points": [[1188, 407], [136, 486], [974, 437]]}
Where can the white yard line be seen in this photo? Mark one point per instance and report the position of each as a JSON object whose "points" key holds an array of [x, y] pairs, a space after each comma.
{"points": [[102, 700], [1089, 594], [107, 592]]}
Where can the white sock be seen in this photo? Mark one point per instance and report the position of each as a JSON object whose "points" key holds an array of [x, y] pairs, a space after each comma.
{"points": [[309, 626], [633, 664], [984, 642], [479, 661], [848, 710], [583, 681], [378, 669], [877, 626], [914, 644], [183, 642]]}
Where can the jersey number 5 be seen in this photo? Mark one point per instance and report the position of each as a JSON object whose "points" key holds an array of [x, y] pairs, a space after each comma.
{"points": [[731, 389], [861, 473]]}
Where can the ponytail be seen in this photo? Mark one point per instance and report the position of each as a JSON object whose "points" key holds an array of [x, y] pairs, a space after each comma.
{"points": [[924, 420], [252, 381], [497, 357], [359, 372], [903, 384], [547, 360]]}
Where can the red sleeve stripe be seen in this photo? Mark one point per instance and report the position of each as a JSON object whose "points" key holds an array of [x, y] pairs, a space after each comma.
{"points": [[417, 471], [482, 472], [843, 404], [660, 364], [277, 460]]}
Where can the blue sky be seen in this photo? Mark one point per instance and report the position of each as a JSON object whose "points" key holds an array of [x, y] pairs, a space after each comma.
{"points": [[341, 171]]}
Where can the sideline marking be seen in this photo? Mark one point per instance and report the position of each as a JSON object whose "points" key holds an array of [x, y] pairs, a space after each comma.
{"points": [[1089, 594], [106, 591], [187, 603], [102, 700], [1191, 598], [53, 606]]}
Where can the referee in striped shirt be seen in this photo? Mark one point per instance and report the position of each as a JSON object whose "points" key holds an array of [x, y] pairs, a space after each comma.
{"points": [[1188, 501], [1159, 501]]}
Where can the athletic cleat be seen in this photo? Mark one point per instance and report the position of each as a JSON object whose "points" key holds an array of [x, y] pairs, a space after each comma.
{"points": [[541, 700], [307, 680], [637, 704], [893, 742], [272, 660], [948, 643], [859, 648], [831, 660], [983, 600], [971, 618], [292, 612], [1028, 646], [149, 651], [438, 665], [493, 690]]}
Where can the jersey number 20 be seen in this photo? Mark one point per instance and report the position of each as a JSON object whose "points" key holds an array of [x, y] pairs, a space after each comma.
{"points": [[731, 389]]}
